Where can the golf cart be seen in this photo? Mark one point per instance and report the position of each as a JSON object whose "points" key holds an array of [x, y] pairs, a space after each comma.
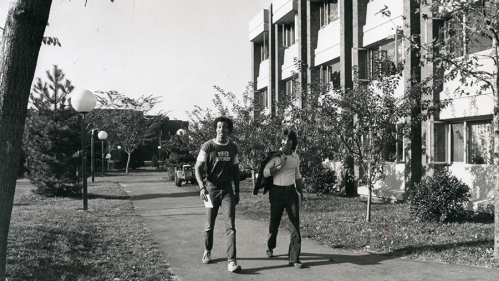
{"points": [[186, 173]]}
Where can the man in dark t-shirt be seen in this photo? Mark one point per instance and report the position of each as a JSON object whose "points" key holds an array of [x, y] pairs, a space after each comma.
{"points": [[219, 155]]}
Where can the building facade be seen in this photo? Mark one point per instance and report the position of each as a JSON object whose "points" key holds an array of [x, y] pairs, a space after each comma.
{"points": [[323, 40]]}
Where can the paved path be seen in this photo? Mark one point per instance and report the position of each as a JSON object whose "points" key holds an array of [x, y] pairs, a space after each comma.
{"points": [[175, 218]]}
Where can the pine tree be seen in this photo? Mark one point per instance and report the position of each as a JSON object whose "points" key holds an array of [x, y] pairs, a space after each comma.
{"points": [[51, 140]]}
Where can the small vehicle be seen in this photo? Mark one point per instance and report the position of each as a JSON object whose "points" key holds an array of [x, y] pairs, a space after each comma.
{"points": [[186, 173]]}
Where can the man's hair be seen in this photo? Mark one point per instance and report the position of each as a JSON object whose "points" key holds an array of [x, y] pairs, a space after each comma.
{"points": [[223, 119], [290, 134]]}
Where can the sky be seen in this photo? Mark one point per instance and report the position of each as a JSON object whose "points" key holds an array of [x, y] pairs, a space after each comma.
{"points": [[173, 49]]}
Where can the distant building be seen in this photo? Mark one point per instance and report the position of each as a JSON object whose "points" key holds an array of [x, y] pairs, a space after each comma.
{"points": [[168, 128]]}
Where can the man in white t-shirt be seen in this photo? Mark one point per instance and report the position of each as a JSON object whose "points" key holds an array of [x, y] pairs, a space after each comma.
{"points": [[286, 193]]}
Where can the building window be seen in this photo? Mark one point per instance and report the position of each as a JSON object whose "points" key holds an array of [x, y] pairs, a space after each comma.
{"points": [[438, 143], [453, 38], [329, 75], [261, 100], [457, 142], [288, 35], [471, 142], [290, 91], [386, 59], [481, 142], [264, 99], [264, 48], [328, 12], [381, 60], [394, 150]]}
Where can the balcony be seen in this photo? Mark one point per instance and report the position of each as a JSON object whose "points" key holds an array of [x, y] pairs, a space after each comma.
{"points": [[379, 26], [263, 77], [283, 11], [328, 44], [288, 67], [471, 103], [258, 26]]}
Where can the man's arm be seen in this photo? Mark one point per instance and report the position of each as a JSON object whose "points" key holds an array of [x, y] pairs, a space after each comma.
{"points": [[299, 186], [271, 168], [235, 176], [198, 169]]}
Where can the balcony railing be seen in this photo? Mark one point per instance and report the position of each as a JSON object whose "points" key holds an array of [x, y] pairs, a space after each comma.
{"points": [[380, 26]]}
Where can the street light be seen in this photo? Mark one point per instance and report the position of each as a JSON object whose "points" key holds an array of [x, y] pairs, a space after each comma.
{"points": [[181, 132], [83, 101], [159, 152], [102, 136], [92, 154]]}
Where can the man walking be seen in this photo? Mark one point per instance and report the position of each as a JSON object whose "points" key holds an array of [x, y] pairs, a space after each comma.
{"points": [[219, 155], [285, 193]]}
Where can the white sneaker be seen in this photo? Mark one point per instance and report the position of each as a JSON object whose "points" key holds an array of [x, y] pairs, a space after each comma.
{"points": [[207, 257], [234, 267]]}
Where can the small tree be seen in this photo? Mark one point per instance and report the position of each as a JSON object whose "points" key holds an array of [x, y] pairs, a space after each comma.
{"points": [[125, 120], [51, 137], [363, 120]]}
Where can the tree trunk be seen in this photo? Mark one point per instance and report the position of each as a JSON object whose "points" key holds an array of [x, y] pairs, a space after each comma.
{"points": [[369, 199], [20, 46], [253, 176], [128, 162], [496, 152]]}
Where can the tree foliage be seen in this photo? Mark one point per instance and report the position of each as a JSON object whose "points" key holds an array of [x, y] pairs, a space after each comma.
{"points": [[125, 120], [179, 150], [52, 136]]}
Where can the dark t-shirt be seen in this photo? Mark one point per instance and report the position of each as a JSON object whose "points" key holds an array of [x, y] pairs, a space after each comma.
{"points": [[220, 159]]}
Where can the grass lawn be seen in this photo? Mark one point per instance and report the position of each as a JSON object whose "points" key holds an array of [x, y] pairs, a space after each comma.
{"points": [[339, 222], [52, 239]]}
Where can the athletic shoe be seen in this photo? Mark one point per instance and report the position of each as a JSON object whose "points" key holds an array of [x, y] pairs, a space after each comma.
{"points": [[207, 257], [269, 253], [234, 267]]}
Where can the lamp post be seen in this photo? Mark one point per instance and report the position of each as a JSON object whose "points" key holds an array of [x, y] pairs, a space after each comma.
{"points": [[83, 101], [102, 136], [92, 155], [159, 152]]}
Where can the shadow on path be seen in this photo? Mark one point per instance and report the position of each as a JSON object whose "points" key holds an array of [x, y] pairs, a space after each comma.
{"points": [[310, 260], [163, 195]]}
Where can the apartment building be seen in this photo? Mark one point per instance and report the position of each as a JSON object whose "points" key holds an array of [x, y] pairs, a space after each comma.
{"points": [[330, 37]]}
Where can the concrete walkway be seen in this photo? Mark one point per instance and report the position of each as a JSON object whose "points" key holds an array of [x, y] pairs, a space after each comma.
{"points": [[175, 218]]}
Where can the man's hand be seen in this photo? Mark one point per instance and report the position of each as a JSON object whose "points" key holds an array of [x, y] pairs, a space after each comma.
{"points": [[203, 194], [236, 197]]}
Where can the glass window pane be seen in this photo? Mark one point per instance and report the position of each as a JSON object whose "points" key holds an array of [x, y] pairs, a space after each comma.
{"points": [[335, 74], [390, 152], [439, 141], [333, 10], [477, 44], [363, 66], [457, 142], [480, 142]]}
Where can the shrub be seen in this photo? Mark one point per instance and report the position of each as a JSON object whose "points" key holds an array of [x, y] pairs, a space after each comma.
{"points": [[320, 180], [438, 198]]}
